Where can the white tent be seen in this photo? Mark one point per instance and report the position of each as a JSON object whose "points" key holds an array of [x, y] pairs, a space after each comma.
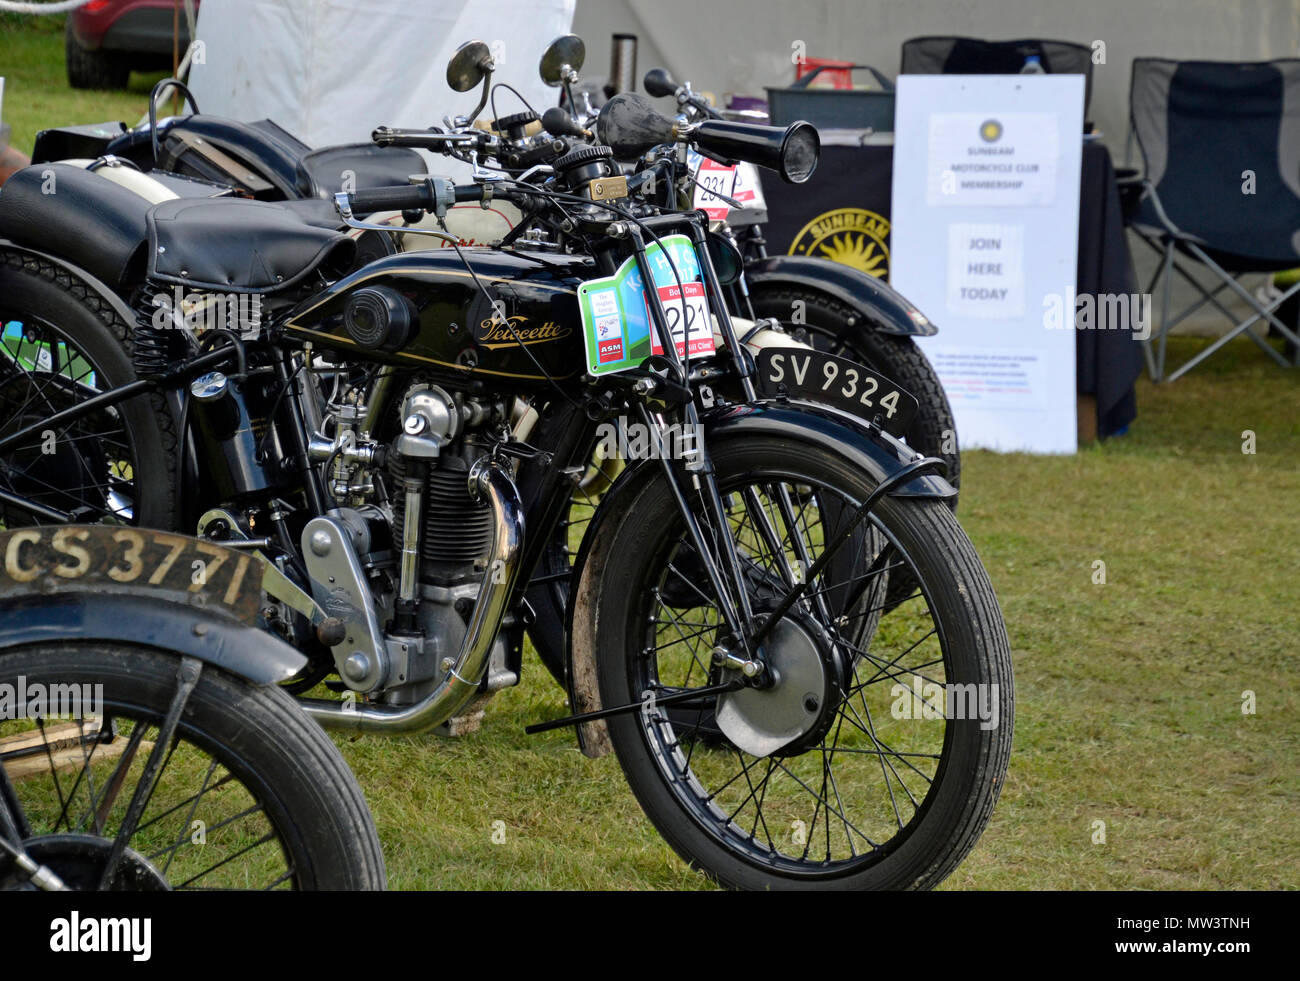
{"points": [[329, 71]]}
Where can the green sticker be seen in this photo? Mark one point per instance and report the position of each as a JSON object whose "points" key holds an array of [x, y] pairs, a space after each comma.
{"points": [[616, 323]]}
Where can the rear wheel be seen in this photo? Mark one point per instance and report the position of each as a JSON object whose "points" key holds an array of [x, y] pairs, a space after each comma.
{"points": [[61, 345], [875, 759], [248, 793]]}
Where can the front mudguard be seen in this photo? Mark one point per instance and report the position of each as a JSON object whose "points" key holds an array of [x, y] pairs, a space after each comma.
{"points": [[136, 586], [877, 453], [880, 307]]}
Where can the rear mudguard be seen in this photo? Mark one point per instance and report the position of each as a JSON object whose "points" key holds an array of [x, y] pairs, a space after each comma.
{"points": [[878, 454], [881, 308], [137, 586]]}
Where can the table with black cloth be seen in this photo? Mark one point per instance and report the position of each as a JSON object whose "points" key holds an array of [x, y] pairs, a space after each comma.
{"points": [[843, 213]]}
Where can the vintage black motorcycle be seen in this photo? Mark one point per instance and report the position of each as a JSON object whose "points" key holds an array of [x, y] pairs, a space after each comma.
{"points": [[401, 436], [827, 305], [788, 302]]}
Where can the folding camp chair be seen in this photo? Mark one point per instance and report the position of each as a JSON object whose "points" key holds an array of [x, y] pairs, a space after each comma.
{"points": [[1220, 144]]}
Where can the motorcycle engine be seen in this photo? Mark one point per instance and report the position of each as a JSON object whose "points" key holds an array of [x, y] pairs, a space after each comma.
{"points": [[419, 540], [445, 555]]}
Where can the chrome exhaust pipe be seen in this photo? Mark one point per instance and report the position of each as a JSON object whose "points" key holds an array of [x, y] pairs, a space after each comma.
{"points": [[486, 479]]}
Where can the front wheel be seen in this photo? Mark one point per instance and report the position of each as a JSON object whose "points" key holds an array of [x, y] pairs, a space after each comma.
{"points": [[248, 793], [876, 757]]}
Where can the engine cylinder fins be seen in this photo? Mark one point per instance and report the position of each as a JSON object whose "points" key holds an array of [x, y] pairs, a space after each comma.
{"points": [[457, 533]]}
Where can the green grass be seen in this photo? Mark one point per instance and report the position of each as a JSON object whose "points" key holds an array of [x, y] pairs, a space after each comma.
{"points": [[37, 95], [1129, 694]]}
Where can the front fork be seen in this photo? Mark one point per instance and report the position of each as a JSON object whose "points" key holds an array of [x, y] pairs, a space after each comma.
{"points": [[726, 578]]}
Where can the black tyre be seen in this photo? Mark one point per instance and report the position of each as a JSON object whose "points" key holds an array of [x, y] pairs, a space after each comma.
{"points": [[550, 597], [93, 69], [62, 345], [809, 813], [830, 326], [251, 794]]}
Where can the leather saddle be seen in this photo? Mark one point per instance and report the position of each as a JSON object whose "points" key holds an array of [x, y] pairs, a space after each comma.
{"points": [[261, 159], [228, 244]]}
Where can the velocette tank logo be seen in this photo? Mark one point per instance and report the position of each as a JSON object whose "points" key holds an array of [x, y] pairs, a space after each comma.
{"points": [[513, 331], [853, 236]]}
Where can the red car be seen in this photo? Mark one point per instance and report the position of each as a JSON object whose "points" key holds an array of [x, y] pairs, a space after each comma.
{"points": [[108, 39]]}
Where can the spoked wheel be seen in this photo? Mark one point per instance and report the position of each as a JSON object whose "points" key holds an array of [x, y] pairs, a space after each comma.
{"points": [[873, 754], [108, 784], [61, 345]]}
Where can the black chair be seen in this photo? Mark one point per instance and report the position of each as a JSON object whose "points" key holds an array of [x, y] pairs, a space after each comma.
{"points": [[936, 55], [1220, 146]]}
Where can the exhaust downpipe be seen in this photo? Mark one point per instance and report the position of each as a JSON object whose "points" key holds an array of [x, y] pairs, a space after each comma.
{"points": [[486, 479]]}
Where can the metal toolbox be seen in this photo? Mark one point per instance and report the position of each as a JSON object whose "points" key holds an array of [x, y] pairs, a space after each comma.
{"points": [[835, 108]]}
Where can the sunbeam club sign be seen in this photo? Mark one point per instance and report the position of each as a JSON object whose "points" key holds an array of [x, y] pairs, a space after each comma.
{"points": [[853, 236]]}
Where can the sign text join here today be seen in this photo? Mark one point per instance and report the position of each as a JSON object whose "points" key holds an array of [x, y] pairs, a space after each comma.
{"points": [[986, 175]]}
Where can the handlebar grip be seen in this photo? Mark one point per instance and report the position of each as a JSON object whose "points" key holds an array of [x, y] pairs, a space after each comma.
{"points": [[424, 139], [402, 197]]}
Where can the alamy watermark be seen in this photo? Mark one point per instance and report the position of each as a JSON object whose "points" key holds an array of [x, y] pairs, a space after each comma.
{"points": [[931, 700], [20, 700], [1099, 311], [634, 440]]}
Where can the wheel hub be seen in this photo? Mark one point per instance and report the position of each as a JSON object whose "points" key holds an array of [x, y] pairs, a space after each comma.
{"points": [[79, 861], [794, 712]]}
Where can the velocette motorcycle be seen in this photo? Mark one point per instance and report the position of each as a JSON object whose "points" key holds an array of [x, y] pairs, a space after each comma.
{"points": [[400, 438], [819, 303], [804, 302]]}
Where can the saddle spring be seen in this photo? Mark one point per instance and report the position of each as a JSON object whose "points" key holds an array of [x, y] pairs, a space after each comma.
{"points": [[150, 338]]}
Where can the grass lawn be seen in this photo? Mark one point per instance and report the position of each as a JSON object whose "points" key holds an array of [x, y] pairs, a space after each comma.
{"points": [[37, 95], [1129, 693]]}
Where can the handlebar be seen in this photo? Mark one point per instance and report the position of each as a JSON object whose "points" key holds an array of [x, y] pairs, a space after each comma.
{"points": [[405, 197], [409, 197], [423, 139]]}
